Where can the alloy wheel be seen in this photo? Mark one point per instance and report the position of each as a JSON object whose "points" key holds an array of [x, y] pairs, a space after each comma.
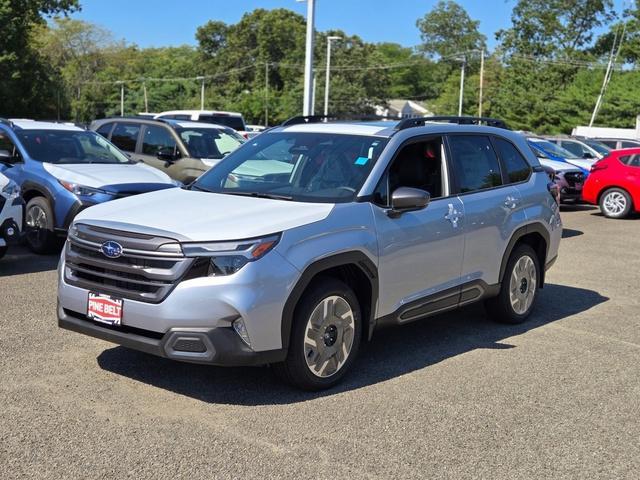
{"points": [[614, 203], [329, 336], [522, 285]]}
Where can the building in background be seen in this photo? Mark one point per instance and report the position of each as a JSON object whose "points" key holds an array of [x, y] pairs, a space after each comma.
{"points": [[605, 132], [399, 108]]}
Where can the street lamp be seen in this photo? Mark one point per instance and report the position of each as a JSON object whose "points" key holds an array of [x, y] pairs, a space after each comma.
{"points": [[326, 83]]}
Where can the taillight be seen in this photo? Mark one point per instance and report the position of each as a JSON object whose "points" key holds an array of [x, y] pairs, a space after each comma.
{"points": [[598, 166]]}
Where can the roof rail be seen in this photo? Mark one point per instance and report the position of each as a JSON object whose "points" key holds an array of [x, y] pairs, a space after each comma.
{"points": [[422, 121]]}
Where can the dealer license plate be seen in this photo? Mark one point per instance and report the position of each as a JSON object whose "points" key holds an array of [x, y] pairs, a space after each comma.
{"points": [[104, 308]]}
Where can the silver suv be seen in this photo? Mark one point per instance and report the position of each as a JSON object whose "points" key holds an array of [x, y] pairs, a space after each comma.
{"points": [[296, 247]]}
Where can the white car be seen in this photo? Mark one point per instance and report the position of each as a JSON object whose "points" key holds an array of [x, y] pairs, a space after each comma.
{"points": [[233, 120], [11, 208]]}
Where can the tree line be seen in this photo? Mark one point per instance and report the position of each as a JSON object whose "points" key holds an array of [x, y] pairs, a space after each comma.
{"points": [[544, 74]]}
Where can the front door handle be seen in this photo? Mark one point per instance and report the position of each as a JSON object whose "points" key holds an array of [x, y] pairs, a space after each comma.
{"points": [[453, 215]]}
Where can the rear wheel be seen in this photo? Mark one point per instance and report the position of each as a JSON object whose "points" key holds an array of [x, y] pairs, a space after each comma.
{"points": [[39, 226], [615, 203], [518, 289], [325, 338]]}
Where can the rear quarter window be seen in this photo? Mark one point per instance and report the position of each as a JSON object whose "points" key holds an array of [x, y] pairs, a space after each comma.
{"points": [[517, 168]]}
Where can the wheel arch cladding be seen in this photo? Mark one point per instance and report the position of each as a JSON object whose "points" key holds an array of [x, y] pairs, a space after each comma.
{"points": [[537, 237], [32, 190], [353, 268]]}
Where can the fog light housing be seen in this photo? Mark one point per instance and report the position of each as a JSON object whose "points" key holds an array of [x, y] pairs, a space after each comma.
{"points": [[241, 330]]}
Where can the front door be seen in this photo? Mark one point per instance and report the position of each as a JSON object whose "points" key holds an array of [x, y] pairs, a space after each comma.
{"points": [[420, 252]]}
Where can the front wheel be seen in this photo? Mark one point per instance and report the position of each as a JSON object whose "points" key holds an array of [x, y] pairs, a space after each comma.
{"points": [[39, 226], [325, 337], [615, 203], [518, 289]]}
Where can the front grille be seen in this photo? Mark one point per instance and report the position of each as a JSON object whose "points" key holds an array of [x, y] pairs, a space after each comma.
{"points": [[574, 177], [148, 269]]}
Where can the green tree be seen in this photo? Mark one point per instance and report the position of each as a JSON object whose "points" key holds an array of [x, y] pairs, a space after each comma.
{"points": [[448, 29], [27, 82]]}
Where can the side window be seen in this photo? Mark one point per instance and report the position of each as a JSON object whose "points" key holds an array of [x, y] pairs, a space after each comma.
{"points": [[573, 147], [8, 150], [105, 130], [628, 145], [516, 166], [631, 160], [125, 136], [475, 163], [156, 138], [417, 165]]}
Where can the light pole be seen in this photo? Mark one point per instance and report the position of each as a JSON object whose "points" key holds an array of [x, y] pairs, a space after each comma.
{"points": [[307, 107], [327, 79]]}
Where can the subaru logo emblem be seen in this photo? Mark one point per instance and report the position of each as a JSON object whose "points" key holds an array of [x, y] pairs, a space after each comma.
{"points": [[111, 249]]}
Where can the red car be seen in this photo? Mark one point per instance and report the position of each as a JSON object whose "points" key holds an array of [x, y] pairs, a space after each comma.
{"points": [[614, 183]]}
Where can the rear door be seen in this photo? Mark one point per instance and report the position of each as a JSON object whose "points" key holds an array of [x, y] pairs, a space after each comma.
{"points": [[125, 136], [492, 208]]}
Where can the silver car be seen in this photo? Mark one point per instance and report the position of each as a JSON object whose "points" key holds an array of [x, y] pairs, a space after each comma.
{"points": [[296, 247]]}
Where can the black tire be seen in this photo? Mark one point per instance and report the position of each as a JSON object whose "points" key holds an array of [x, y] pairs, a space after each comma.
{"points": [[501, 308], [40, 239], [295, 369], [621, 208], [3, 251]]}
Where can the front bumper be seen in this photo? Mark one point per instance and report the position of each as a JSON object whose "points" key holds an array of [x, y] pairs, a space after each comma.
{"points": [[212, 346]]}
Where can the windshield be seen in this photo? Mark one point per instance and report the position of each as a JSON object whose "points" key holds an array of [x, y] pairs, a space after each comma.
{"points": [[552, 148], [232, 121], [305, 167], [598, 147], [209, 142], [70, 146]]}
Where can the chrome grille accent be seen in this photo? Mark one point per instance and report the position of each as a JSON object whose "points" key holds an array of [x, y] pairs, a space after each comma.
{"points": [[149, 268]]}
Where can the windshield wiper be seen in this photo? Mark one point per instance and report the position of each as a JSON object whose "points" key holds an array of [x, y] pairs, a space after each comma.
{"points": [[272, 196]]}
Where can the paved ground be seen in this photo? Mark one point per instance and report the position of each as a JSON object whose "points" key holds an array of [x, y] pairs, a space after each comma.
{"points": [[452, 397]]}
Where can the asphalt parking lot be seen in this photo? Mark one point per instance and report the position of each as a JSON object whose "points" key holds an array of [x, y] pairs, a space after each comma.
{"points": [[455, 396]]}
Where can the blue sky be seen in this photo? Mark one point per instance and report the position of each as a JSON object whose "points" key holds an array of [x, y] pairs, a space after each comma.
{"points": [[160, 23]]}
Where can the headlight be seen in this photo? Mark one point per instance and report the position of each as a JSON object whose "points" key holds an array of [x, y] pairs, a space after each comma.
{"points": [[12, 190], [80, 190], [226, 258]]}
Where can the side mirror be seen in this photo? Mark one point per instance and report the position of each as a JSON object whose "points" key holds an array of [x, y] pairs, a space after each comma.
{"points": [[167, 154], [407, 199]]}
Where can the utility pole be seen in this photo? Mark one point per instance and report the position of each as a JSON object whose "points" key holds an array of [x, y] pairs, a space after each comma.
{"points": [[608, 73], [201, 92], [307, 106], [266, 94], [481, 82], [328, 74], [146, 100], [464, 62], [121, 98]]}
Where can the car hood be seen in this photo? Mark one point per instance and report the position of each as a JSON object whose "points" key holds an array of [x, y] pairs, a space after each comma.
{"points": [[189, 215], [558, 166], [98, 175]]}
